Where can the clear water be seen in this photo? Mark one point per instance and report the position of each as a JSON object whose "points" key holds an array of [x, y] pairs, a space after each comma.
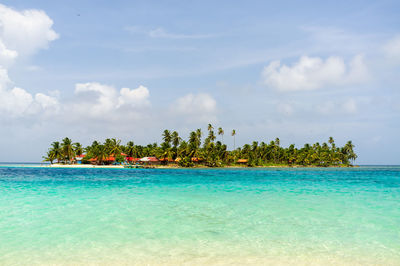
{"points": [[226, 216]]}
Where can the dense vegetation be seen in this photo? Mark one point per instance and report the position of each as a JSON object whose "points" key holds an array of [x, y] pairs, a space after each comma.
{"points": [[207, 152]]}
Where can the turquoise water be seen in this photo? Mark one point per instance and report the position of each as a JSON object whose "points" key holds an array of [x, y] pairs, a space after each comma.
{"points": [[178, 216]]}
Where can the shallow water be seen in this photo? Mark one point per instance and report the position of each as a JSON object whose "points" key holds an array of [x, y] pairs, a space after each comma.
{"points": [[207, 216]]}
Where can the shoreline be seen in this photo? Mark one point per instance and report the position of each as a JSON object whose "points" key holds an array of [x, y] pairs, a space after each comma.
{"points": [[89, 166]]}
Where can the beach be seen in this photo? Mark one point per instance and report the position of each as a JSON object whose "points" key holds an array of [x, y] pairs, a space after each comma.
{"points": [[171, 166], [275, 216]]}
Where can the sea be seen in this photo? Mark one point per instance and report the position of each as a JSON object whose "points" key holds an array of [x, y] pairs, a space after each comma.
{"points": [[244, 216]]}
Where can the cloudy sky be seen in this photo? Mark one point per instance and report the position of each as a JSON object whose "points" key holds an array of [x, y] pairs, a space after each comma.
{"points": [[298, 70]]}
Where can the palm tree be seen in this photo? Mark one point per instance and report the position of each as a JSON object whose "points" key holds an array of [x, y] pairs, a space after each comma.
{"points": [[331, 141], [115, 147], [349, 152], [165, 152], [55, 150], [233, 135], [332, 151], [221, 132], [211, 135], [130, 148], [108, 146], [175, 139], [193, 143], [193, 138], [78, 148], [199, 134], [277, 143], [90, 150], [101, 153], [67, 150], [167, 136], [183, 149], [50, 157]]}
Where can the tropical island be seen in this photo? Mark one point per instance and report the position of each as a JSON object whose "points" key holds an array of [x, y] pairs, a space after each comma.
{"points": [[177, 152]]}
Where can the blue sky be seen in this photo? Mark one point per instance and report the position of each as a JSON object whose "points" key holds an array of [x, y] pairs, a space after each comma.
{"points": [[298, 70]]}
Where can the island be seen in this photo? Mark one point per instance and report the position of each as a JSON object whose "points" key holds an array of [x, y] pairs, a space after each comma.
{"points": [[193, 152]]}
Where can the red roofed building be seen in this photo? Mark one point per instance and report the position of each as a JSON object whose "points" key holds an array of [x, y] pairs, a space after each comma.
{"points": [[132, 160], [79, 158], [196, 159], [242, 161], [149, 160], [166, 161]]}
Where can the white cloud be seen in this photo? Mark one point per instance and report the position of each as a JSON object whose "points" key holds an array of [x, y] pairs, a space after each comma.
{"points": [[17, 102], [7, 56], [200, 107], [4, 79], [98, 100], [201, 102], [392, 49], [24, 32], [136, 97], [46, 101], [311, 73]]}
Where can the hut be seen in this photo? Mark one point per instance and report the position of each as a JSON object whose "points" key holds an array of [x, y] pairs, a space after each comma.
{"points": [[197, 160], [109, 160], [93, 160], [149, 161], [131, 160], [242, 161], [166, 161], [79, 158]]}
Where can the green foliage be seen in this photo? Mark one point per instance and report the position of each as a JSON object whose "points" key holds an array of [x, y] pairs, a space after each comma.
{"points": [[186, 162], [209, 153], [119, 158]]}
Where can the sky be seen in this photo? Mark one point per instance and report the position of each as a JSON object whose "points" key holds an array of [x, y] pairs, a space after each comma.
{"points": [[298, 70]]}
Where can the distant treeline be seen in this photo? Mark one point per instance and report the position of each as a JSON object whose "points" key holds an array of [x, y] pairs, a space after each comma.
{"points": [[208, 152]]}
